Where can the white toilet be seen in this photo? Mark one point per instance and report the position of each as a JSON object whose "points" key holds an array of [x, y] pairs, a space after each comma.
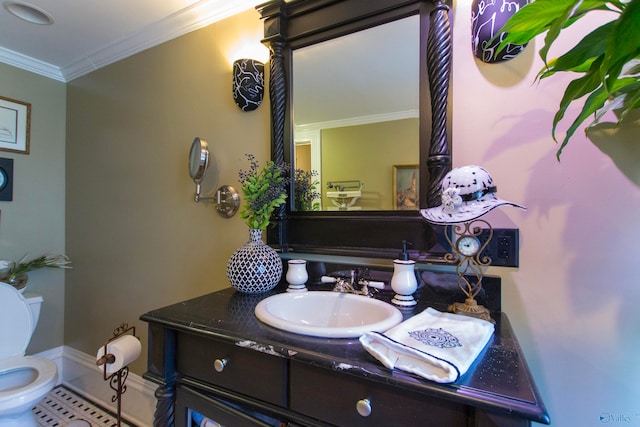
{"points": [[24, 380]]}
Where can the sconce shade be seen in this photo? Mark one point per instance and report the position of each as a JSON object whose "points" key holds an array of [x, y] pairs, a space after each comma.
{"points": [[487, 19], [248, 83]]}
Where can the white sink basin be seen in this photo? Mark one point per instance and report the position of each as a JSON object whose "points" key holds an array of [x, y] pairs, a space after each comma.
{"points": [[327, 314]]}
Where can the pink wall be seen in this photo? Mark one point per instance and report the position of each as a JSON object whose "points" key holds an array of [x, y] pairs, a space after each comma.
{"points": [[573, 301]]}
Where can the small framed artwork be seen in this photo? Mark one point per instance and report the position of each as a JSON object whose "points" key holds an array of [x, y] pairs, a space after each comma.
{"points": [[406, 193], [15, 123]]}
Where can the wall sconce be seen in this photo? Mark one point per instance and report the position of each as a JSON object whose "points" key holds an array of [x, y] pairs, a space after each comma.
{"points": [[248, 83], [487, 19], [227, 199]]}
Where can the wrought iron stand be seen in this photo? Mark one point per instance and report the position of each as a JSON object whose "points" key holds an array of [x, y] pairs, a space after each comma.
{"points": [[118, 378]]}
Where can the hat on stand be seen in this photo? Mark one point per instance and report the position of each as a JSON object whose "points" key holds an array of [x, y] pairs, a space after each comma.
{"points": [[468, 192]]}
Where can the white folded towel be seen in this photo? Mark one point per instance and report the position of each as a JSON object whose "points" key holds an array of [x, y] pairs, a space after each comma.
{"points": [[434, 345]]}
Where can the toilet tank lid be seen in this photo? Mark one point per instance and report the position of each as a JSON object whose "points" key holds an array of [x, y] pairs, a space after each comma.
{"points": [[15, 322]]}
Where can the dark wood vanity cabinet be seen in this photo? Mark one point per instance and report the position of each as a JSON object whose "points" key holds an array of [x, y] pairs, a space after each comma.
{"points": [[234, 368], [334, 398], [211, 355]]}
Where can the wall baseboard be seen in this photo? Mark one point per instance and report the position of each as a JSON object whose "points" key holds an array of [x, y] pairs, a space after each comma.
{"points": [[78, 372]]}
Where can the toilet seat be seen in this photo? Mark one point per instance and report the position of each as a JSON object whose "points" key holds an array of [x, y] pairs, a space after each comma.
{"points": [[45, 370]]}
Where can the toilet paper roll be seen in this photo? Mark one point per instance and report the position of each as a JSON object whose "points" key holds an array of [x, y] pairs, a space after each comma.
{"points": [[125, 349]]}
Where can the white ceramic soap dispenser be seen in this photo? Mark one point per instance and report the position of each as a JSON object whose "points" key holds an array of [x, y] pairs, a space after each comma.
{"points": [[403, 281]]}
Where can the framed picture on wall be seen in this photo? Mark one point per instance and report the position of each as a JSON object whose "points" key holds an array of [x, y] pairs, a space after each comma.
{"points": [[15, 121], [405, 187]]}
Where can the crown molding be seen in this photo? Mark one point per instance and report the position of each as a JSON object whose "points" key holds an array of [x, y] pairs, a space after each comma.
{"points": [[28, 63], [184, 21]]}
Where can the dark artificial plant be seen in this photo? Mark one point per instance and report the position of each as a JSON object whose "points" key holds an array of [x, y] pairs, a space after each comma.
{"points": [[306, 190], [607, 60]]}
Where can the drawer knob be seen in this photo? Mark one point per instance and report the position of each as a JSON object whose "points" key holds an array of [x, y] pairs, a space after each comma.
{"points": [[363, 406], [219, 364]]}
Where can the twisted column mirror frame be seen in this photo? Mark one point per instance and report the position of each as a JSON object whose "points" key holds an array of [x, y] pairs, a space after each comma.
{"points": [[278, 98], [435, 156], [439, 53], [439, 70]]}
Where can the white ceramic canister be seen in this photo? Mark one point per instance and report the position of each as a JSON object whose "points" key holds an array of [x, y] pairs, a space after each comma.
{"points": [[297, 275]]}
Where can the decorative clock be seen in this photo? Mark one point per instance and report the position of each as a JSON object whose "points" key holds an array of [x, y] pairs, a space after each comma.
{"points": [[464, 239], [467, 193]]}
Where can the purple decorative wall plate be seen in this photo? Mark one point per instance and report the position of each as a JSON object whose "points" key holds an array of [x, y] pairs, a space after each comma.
{"points": [[487, 19]]}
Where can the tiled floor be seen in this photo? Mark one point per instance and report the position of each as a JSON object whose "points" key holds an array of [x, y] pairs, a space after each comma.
{"points": [[61, 407]]}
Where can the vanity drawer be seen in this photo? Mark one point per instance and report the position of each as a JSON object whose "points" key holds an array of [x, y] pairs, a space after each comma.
{"points": [[239, 369], [334, 398]]}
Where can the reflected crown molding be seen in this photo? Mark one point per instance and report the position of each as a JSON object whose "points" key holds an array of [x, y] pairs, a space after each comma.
{"points": [[363, 120]]}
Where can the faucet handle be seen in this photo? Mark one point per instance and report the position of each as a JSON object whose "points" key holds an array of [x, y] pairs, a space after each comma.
{"points": [[366, 284], [373, 284], [354, 277], [340, 283]]}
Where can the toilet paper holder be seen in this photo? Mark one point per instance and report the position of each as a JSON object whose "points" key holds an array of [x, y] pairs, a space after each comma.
{"points": [[118, 378]]}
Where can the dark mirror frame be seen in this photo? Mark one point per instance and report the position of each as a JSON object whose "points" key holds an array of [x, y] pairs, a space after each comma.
{"points": [[371, 234]]}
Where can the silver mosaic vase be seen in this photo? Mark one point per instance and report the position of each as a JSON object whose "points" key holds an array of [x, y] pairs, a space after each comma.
{"points": [[256, 267]]}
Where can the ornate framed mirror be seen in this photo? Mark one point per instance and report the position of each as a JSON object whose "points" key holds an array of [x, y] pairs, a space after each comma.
{"points": [[365, 205]]}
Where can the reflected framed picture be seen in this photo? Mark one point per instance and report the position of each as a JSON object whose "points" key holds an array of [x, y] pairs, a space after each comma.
{"points": [[15, 123], [405, 192]]}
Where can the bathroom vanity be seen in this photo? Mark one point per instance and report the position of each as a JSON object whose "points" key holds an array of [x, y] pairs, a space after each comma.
{"points": [[212, 355]]}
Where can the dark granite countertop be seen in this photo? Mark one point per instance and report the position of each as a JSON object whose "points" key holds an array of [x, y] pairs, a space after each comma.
{"points": [[498, 381]]}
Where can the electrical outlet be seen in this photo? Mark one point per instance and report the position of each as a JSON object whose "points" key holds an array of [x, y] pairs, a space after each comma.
{"points": [[504, 247]]}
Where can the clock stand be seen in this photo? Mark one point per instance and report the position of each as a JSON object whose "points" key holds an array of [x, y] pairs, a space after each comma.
{"points": [[470, 263]]}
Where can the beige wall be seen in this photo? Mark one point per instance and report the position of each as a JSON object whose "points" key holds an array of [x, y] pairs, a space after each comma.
{"points": [[137, 238], [33, 223], [364, 153]]}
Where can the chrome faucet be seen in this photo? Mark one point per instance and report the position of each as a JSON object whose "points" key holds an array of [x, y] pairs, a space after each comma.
{"points": [[350, 285]]}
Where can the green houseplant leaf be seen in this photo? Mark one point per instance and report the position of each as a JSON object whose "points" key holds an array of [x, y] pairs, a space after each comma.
{"points": [[607, 59], [582, 55], [533, 19], [594, 102], [576, 90], [624, 42]]}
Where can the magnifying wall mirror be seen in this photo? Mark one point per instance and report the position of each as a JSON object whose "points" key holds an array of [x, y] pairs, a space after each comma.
{"points": [[198, 163], [226, 198]]}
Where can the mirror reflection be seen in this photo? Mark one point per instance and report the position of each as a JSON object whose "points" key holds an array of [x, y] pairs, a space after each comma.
{"points": [[356, 120]]}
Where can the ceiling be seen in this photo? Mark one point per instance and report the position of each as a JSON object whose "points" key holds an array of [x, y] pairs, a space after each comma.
{"points": [[89, 34]]}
